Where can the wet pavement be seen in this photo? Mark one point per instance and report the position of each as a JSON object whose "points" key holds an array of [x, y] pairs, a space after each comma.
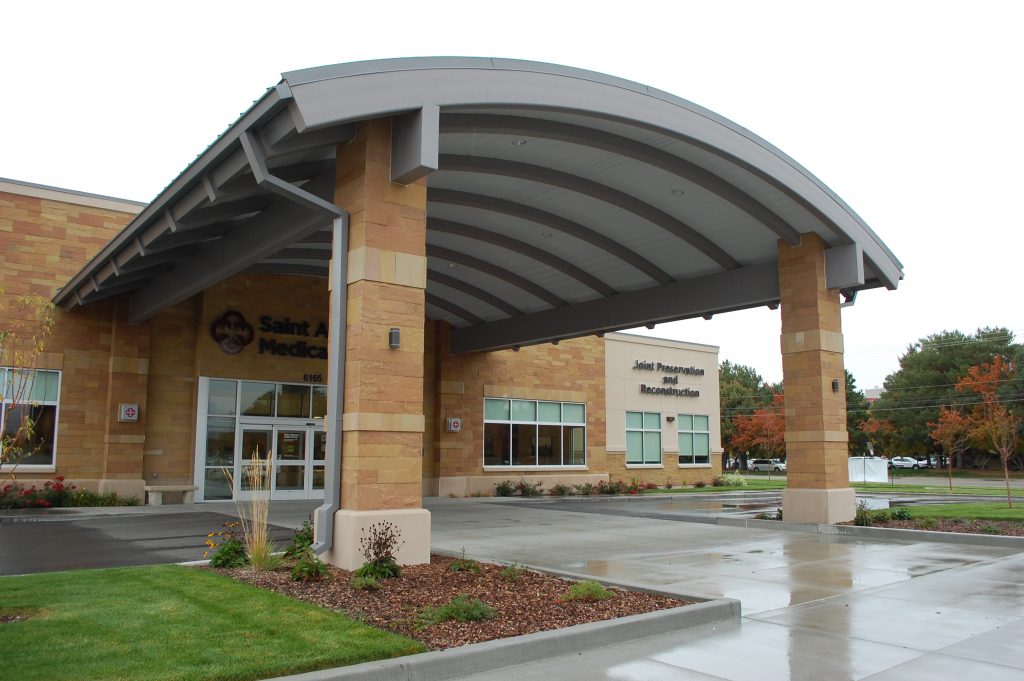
{"points": [[66, 539], [814, 606]]}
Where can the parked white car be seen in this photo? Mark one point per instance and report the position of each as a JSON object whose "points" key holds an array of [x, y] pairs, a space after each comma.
{"points": [[767, 465], [907, 462]]}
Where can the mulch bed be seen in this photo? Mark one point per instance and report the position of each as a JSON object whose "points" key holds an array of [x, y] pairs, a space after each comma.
{"points": [[1011, 528], [530, 604]]}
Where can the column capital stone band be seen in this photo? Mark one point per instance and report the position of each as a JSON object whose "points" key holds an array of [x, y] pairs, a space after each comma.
{"points": [[816, 339], [386, 266], [817, 436]]}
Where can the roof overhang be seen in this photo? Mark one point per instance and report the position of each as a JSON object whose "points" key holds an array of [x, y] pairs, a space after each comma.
{"points": [[560, 202]]}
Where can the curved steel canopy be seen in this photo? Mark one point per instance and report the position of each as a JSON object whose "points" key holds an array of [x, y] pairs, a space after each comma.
{"points": [[560, 202]]}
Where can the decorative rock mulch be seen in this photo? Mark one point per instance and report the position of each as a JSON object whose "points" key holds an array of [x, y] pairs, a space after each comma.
{"points": [[530, 604], [1011, 528]]}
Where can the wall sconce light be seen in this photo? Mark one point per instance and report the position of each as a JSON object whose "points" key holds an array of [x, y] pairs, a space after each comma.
{"points": [[394, 338], [835, 385], [670, 419]]}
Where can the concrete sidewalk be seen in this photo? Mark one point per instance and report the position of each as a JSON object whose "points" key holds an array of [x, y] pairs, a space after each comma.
{"points": [[814, 607]]}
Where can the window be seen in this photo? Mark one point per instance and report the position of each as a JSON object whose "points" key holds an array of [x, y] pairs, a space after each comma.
{"points": [[32, 395], [534, 433], [694, 440], [643, 437]]}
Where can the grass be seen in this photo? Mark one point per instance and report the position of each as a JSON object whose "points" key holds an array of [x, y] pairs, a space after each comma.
{"points": [[778, 483], [173, 623], [979, 511], [752, 485]]}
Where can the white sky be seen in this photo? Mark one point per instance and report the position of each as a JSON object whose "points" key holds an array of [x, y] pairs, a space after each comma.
{"points": [[910, 111]]}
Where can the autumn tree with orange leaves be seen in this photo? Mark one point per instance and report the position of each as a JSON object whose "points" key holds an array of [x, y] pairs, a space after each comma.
{"points": [[764, 430], [953, 432], [992, 423]]}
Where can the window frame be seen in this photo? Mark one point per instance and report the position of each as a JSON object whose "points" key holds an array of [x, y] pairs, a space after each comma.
{"points": [[644, 429], [537, 423], [692, 431], [5, 372]]}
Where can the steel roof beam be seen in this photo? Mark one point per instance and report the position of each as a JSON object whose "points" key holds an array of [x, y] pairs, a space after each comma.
{"points": [[623, 146], [493, 270], [470, 290], [524, 249], [733, 290], [550, 220], [278, 226], [460, 312], [595, 190]]}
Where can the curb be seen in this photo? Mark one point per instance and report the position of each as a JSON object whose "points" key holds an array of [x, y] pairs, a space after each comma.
{"points": [[490, 655], [474, 658], [1001, 541]]}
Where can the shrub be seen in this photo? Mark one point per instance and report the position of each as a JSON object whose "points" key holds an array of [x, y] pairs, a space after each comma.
{"points": [[379, 543], [926, 523], [364, 583], [560, 490], [901, 513], [862, 517], [700, 484], [989, 528], [302, 540], [729, 480], [584, 490], [650, 485], [616, 487], [464, 564], [309, 567], [460, 608], [505, 488], [530, 489], [85, 498], [588, 590], [513, 572], [56, 493]]}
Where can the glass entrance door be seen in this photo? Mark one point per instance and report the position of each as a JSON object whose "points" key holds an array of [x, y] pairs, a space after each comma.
{"points": [[294, 454]]}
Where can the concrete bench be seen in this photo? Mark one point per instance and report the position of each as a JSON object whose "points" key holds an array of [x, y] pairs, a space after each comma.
{"points": [[155, 493]]}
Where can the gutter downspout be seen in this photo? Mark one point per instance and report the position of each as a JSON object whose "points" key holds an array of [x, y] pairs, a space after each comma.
{"points": [[338, 284]]}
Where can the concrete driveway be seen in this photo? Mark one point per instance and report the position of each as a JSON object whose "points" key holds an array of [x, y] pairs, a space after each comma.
{"points": [[815, 607]]}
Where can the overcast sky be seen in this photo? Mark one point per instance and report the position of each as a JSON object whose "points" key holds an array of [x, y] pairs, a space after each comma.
{"points": [[910, 111]]}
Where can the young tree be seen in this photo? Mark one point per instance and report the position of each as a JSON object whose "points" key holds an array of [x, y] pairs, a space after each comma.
{"points": [[856, 416], [25, 323], [953, 432], [880, 433], [741, 391], [993, 422], [764, 430]]}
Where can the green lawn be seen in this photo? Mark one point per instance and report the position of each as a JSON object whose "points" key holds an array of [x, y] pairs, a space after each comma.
{"points": [[970, 511], [752, 485], [934, 489], [172, 622]]}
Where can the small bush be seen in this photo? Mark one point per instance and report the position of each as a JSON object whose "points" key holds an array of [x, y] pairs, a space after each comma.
{"points": [[229, 554], [479, 493], [460, 608], [650, 485], [616, 487], [560, 490], [364, 583], [881, 516], [379, 543], [513, 572], [989, 528], [587, 590], [309, 567], [505, 488], [700, 484], [926, 523], [302, 540], [530, 489], [464, 564], [862, 517], [729, 480], [901, 513], [584, 490]]}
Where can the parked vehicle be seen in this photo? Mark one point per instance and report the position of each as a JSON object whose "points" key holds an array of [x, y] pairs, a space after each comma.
{"points": [[766, 465], [907, 462]]}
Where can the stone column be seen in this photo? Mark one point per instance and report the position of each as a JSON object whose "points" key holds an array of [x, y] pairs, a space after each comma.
{"points": [[818, 488], [127, 382], [382, 444]]}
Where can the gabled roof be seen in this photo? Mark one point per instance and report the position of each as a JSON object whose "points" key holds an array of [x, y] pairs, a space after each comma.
{"points": [[560, 202]]}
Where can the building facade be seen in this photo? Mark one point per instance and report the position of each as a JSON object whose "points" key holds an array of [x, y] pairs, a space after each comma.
{"points": [[240, 369]]}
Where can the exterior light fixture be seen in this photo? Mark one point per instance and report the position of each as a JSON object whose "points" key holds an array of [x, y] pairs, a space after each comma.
{"points": [[708, 315], [394, 338], [554, 342], [518, 143], [670, 419], [650, 326], [835, 385], [677, 192], [515, 348]]}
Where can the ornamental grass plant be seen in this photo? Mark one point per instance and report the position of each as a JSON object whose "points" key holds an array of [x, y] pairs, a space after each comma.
{"points": [[254, 514]]}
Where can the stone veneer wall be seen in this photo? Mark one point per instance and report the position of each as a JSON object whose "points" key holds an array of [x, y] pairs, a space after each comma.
{"points": [[44, 241]]}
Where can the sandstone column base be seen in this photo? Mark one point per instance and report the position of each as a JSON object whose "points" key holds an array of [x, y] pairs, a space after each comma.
{"points": [[824, 506], [350, 526], [124, 488]]}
